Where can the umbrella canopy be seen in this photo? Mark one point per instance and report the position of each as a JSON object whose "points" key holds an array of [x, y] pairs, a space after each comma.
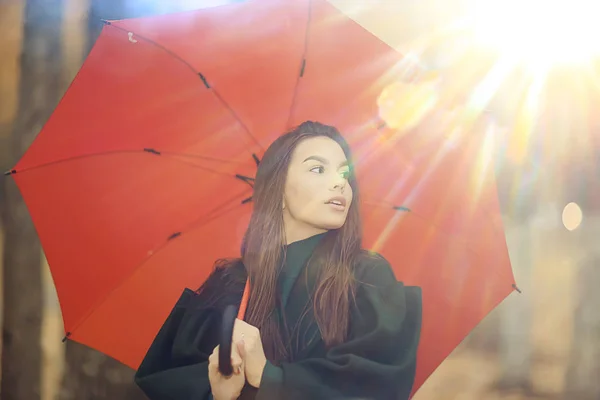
{"points": [[142, 177]]}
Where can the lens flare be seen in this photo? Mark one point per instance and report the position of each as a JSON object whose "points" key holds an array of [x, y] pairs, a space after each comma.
{"points": [[572, 216]]}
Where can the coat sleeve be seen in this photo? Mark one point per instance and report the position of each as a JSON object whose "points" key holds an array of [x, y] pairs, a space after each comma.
{"points": [[379, 359], [176, 364]]}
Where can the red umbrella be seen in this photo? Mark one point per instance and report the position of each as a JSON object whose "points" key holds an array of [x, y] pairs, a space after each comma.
{"points": [[144, 170]]}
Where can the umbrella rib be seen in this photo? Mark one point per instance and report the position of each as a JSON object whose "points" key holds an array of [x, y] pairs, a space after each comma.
{"points": [[213, 214], [302, 65], [197, 156], [202, 77], [107, 153], [448, 237], [426, 220]]}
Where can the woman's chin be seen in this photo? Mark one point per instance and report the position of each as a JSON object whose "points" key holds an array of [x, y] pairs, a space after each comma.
{"points": [[332, 224]]}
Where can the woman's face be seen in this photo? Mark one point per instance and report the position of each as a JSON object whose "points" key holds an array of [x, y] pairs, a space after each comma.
{"points": [[317, 194]]}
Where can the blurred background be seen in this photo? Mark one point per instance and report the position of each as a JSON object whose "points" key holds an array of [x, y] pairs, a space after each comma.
{"points": [[531, 67]]}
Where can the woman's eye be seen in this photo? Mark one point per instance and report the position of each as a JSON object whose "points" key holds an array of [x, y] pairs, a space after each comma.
{"points": [[318, 169]]}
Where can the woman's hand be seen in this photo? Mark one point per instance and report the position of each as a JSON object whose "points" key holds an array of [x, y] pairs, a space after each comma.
{"points": [[249, 345], [226, 387]]}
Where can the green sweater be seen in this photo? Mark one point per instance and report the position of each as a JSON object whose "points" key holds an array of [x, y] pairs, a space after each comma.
{"points": [[378, 361]]}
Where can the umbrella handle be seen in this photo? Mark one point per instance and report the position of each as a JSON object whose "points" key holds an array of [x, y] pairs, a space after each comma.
{"points": [[226, 337], [225, 367]]}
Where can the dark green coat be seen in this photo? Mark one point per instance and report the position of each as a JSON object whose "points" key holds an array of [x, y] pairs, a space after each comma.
{"points": [[378, 360]]}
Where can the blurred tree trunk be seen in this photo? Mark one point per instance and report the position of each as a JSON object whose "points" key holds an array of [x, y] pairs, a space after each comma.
{"points": [[95, 17], [516, 312], [5, 163], [90, 374], [39, 92], [583, 375]]}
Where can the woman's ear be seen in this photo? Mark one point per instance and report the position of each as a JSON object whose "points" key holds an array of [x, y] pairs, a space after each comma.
{"points": [[283, 205]]}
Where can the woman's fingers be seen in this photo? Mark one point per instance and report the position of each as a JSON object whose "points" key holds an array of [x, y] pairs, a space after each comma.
{"points": [[214, 357], [213, 360], [241, 348], [236, 360]]}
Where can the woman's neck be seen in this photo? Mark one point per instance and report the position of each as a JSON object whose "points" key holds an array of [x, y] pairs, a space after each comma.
{"points": [[295, 233]]}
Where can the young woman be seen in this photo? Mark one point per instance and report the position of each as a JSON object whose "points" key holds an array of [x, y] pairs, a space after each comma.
{"points": [[325, 320]]}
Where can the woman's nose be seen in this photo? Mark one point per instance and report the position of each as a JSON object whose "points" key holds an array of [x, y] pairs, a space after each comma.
{"points": [[340, 183]]}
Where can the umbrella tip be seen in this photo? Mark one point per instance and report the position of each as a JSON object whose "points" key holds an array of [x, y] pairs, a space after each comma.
{"points": [[256, 159], [64, 339], [152, 151], [514, 286], [10, 172], [173, 236]]}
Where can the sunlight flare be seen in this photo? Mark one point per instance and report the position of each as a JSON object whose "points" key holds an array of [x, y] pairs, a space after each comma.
{"points": [[539, 32]]}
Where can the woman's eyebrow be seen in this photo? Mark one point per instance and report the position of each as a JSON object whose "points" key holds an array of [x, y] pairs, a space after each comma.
{"points": [[324, 161]]}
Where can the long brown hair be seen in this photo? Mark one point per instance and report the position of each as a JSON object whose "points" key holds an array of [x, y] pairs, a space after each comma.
{"points": [[264, 243]]}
